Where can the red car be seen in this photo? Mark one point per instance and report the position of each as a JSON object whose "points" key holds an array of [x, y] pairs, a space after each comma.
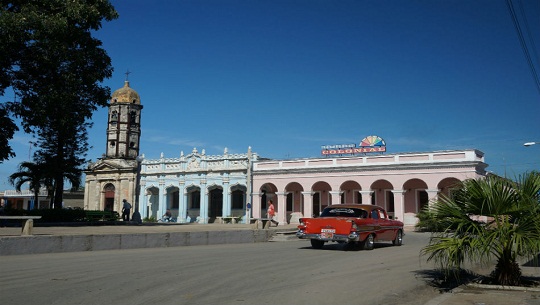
{"points": [[356, 224]]}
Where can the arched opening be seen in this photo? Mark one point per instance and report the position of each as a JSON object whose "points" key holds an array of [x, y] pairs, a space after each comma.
{"points": [[173, 201], [238, 200], [152, 206], [321, 197], [382, 195], [447, 185], [294, 201], [108, 204], [267, 192], [193, 203], [350, 192], [215, 203], [416, 197]]}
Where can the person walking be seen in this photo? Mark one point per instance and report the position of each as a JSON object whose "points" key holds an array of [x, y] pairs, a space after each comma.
{"points": [[126, 210], [271, 212]]}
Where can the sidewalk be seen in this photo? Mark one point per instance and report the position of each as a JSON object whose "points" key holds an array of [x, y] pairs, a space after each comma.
{"points": [[122, 228], [119, 235], [488, 296]]}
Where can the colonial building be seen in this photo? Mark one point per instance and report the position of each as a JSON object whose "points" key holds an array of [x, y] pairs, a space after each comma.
{"points": [[402, 183], [197, 187], [200, 188], [114, 176]]}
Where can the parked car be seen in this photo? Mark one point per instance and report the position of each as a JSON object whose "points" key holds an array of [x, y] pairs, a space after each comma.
{"points": [[355, 224]]}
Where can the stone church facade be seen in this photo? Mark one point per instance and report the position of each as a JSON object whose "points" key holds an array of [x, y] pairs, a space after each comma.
{"points": [[114, 176]]}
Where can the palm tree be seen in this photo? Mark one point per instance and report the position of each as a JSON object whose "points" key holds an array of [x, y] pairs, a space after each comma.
{"points": [[511, 231], [30, 172]]}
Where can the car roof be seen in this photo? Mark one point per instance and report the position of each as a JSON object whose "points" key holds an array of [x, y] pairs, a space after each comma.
{"points": [[367, 207]]}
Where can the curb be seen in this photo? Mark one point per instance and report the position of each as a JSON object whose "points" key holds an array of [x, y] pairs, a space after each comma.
{"points": [[39, 244]]}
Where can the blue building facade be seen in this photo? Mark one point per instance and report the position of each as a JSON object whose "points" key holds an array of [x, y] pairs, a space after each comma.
{"points": [[197, 187]]}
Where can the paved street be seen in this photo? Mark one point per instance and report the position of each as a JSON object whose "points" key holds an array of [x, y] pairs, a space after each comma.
{"points": [[286, 272], [261, 273]]}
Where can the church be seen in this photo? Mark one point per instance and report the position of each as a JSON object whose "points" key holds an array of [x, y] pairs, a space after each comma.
{"points": [[114, 177], [201, 188]]}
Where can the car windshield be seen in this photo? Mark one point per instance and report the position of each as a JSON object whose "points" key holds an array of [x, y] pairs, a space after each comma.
{"points": [[344, 212]]}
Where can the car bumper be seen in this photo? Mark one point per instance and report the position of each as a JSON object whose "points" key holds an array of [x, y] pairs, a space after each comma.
{"points": [[337, 237]]}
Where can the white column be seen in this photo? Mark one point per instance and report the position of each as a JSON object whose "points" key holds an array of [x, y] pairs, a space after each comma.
{"points": [[182, 204], [366, 196], [204, 203], [433, 196], [144, 205], [256, 205], [162, 200], [308, 204], [282, 207], [226, 205], [399, 204], [336, 197]]}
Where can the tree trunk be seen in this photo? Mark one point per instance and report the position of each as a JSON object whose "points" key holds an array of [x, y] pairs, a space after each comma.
{"points": [[58, 193]]}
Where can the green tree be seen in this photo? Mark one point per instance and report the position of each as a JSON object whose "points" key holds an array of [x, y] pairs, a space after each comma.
{"points": [[31, 173], [7, 130], [53, 64], [63, 161], [512, 229]]}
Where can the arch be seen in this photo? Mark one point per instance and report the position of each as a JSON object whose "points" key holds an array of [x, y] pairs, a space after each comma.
{"points": [[321, 196], [382, 194], [294, 198], [109, 191], [446, 185], [152, 205], [193, 196], [350, 192], [267, 192], [173, 200], [238, 193], [415, 195], [215, 202]]}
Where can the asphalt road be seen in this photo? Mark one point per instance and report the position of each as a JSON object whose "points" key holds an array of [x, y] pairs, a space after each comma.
{"points": [[288, 272]]}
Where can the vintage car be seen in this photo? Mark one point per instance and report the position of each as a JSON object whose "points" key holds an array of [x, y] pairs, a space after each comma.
{"points": [[355, 224]]}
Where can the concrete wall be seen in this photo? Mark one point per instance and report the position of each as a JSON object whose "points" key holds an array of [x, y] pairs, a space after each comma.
{"points": [[16, 245]]}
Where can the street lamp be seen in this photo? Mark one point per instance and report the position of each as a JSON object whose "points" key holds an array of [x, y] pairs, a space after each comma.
{"points": [[136, 214], [530, 143]]}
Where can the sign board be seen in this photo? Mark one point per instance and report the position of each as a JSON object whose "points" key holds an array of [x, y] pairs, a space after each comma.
{"points": [[370, 144]]}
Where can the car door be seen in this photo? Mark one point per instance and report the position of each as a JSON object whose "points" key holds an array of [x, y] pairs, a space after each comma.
{"points": [[386, 231]]}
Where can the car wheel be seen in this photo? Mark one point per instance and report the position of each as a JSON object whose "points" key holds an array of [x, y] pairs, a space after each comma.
{"points": [[399, 238], [369, 242], [317, 244]]}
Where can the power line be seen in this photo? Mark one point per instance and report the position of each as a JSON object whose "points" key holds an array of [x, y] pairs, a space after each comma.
{"points": [[523, 43]]}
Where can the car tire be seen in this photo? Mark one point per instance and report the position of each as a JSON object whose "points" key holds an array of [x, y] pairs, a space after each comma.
{"points": [[317, 244], [399, 238], [369, 242]]}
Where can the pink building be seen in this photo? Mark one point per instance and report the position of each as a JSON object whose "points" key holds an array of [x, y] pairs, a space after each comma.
{"points": [[401, 183]]}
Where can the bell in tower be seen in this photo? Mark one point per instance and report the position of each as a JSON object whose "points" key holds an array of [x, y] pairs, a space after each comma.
{"points": [[124, 124]]}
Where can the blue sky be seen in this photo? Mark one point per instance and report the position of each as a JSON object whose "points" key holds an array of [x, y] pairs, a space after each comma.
{"points": [[286, 77]]}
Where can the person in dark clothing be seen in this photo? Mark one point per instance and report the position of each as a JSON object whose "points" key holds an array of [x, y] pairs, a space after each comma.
{"points": [[126, 210]]}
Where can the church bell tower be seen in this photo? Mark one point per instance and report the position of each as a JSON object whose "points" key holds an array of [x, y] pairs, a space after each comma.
{"points": [[124, 124], [114, 177]]}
